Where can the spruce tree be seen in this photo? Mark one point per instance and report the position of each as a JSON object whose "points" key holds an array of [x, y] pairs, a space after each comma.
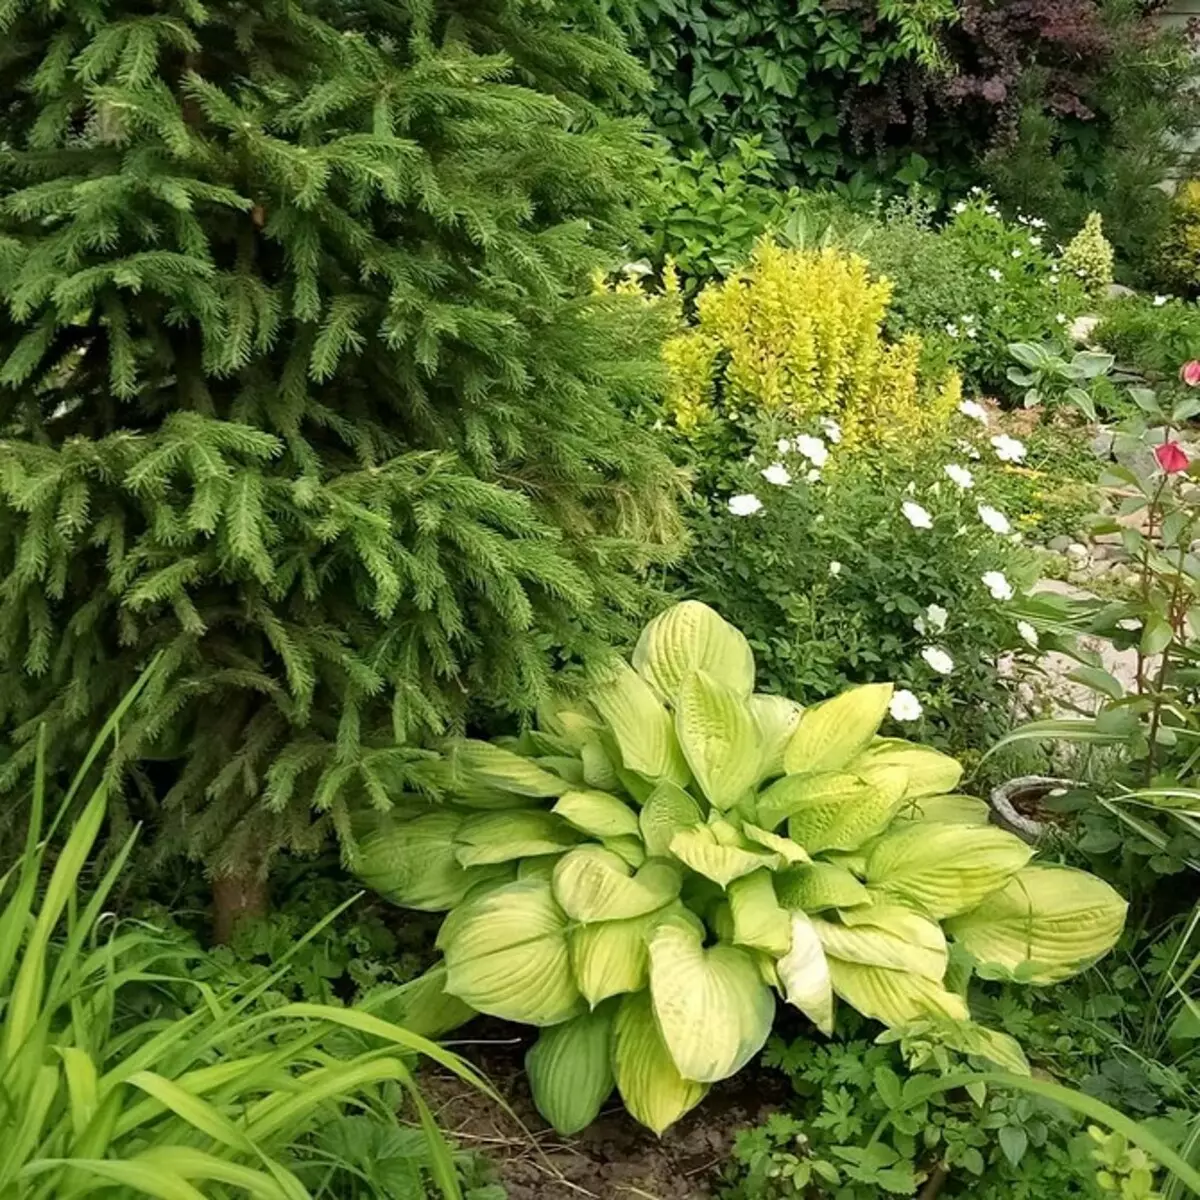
{"points": [[305, 389]]}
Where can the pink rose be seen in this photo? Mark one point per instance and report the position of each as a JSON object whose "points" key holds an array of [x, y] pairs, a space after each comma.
{"points": [[1190, 373], [1170, 455]]}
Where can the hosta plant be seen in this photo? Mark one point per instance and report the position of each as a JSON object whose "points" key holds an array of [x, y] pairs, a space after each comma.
{"points": [[649, 872]]}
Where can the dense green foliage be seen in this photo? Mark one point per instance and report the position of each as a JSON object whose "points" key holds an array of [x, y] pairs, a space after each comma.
{"points": [[303, 387]]}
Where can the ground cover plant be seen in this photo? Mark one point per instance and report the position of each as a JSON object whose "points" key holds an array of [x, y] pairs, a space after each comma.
{"points": [[304, 386], [657, 859]]}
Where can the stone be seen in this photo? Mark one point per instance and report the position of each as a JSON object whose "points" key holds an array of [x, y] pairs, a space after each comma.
{"points": [[1077, 550], [1082, 328], [1117, 290], [1059, 543]]}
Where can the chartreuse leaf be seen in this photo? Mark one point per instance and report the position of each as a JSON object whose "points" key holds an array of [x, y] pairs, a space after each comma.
{"points": [[719, 738], [594, 884], [819, 886], [787, 850], [413, 862], [946, 810], [668, 810], [777, 719], [506, 836], [424, 1007], [570, 1069], [650, 1084], [506, 955], [943, 870], [711, 1004], [804, 973], [598, 814], [831, 811], [496, 767], [641, 726], [887, 935], [692, 637], [702, 850], [929, 771], [611, 957], [835, 732], [630, 849], [759, 922], [1045, 924], [893, 997]]}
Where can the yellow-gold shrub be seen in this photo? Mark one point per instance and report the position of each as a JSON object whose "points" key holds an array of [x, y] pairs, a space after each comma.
{"points": [[799, 333]]}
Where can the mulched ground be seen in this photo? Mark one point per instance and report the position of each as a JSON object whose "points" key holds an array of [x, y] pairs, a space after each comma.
{"points": [[615, 1158]]}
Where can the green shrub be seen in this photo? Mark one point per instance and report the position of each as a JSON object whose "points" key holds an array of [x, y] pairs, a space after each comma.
{"points": [[1089, 257], [302, 386], [1150, 335], [673, 807], [129, 1071]]}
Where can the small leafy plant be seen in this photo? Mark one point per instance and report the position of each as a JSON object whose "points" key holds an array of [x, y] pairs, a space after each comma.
{"points": [[642, 874], [1050, 378]]}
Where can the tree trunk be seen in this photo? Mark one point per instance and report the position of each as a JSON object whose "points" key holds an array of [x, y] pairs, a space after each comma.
{"points": [[237, 896]]}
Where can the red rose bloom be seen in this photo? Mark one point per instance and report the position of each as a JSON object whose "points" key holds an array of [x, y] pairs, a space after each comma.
{"points": [[1190, 373], [1171, 457]]}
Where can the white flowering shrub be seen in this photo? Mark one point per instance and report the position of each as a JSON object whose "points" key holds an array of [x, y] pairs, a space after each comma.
{"points": [[658, 865]]}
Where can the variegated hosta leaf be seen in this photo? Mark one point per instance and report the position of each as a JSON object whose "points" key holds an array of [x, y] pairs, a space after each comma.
{"points": [[611, 957], [668, 811], [598, 814], [893, 997], [777, 719], [887, 935], [594, 884], [647, 1078], [791, 852], [506, 836], [1046, 924], [946, 810], [629, 849], [692, 637], [712, 1007], [719, 738], [930, 772], [818, 887], [943, 870], [412, 862], [496, 767], [570, 1070], [506, 955], [833, 811], [832, 734], [641, 726], [759, 922], [700, 849], [804, 973]]}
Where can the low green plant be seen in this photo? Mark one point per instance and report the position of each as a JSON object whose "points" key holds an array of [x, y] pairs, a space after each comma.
{"points": [[1151, 335], [1051, 378], [655, 861], [123, 1074]]}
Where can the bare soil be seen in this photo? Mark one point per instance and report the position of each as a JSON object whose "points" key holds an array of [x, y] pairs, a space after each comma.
{"points": [[615, 1158]]}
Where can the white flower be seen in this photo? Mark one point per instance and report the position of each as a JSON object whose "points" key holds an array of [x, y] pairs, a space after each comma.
{"points": [[831, 429], [994, 519], [904, 706], [960, 476], [996, 274], [936, 617], [938, 660], [745, 505], [783, 446], [1129, 623], [974, 410], [1159, 301], [972, 332], [1016, 253], [975, 191], [995, 583], [1008, 449], [777, 474], [952, 329], [814, 476], [1037, 222], [1081, 273], [991, 210], [1035, 240], [961, 207], [812, 448], [1061, 318], [835, 568], [1028, 633], [1053, 277], [918, 517]]}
